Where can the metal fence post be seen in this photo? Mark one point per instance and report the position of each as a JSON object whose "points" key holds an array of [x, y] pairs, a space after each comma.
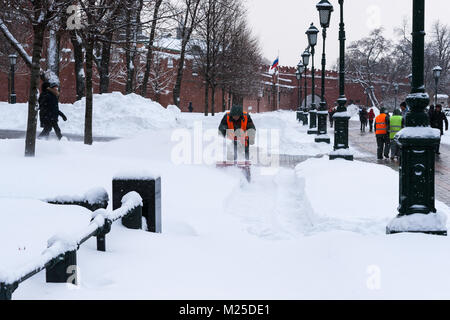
{"points": [[63, 269]]}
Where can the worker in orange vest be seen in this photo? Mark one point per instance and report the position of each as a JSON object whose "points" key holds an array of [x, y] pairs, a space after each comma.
{"points": [[237, 125], [382, 133]]}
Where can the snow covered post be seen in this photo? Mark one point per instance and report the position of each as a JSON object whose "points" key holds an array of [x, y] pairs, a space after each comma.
{"points": [[341, 117], [417, 211], [149, 188]]}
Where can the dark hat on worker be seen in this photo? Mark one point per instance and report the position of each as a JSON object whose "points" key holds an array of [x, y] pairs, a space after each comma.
{"points": [[383, 110], [397, 112], [237, 110]]}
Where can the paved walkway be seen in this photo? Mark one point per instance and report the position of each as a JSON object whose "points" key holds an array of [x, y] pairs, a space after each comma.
{"points": [[366, 142], [15, 134]]}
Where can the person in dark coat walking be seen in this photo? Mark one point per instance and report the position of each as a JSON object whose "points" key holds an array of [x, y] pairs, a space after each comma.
{"points": [[363, 118], [437, 120], [190, 108], [49, 110]]}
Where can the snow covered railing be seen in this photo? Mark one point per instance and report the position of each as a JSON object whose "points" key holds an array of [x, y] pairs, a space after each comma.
{"points": [[93, 200], [59, 259]]}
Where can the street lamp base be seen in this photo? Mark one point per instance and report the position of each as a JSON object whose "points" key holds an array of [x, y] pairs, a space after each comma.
{"points": [[313, 131], [345, 154], [432, 223], [324, 139]]}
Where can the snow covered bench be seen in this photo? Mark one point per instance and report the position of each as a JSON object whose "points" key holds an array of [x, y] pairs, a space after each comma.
{"points": [[59, 259]]}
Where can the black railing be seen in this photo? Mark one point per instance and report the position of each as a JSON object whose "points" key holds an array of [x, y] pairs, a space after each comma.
{"points": [[59, 259]]}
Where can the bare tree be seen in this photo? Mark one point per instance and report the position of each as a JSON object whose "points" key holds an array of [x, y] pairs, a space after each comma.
{"points": [[39, 14], [187, 21]]}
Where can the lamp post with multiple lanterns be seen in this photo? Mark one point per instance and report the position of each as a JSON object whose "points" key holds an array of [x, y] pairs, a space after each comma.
{"points": [[325, 9], [298, 75]]}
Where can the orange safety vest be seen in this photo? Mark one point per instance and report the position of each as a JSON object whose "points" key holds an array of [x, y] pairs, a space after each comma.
{"points": [[243, 123], [381, 124]]}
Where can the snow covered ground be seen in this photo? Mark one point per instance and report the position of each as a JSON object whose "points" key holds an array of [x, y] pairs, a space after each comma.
{"points": [[314, 232]]}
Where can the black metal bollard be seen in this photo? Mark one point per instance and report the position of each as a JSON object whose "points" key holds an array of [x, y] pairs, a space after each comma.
{"points": [[150, 191], [63, 269], [101, 236], [6, 291], [133, 220]]}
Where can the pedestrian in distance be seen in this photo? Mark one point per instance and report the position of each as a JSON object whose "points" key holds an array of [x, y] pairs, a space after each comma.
{"points": [[396, 123], [382, 134], [437, 120], [49, 109], [404, 109], [331, 113], [190, 108], [371, 117], [363, 115]]}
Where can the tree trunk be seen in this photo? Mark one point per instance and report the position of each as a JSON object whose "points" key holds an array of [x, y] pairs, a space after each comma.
{"points": [[150, 49], [129, 54], [30, 140], [79, 64], [89, 94], [206, 99], [104, 64], [53, 50], [223, 100], [213, 100]]}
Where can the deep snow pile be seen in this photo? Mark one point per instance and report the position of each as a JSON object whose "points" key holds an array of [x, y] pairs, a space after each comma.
{"points": [[114, 115], [314, 232]]}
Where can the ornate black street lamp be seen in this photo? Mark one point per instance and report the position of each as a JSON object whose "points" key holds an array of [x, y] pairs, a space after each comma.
{"points": [[305, 58], [436, 74], [12, 62], [341, 117], [418, 142], [396, 89], [325, 9], [298, 75], [312, 41]]}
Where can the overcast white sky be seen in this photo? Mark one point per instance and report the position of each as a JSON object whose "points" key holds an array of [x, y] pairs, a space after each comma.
{"points": [[281, 24]]}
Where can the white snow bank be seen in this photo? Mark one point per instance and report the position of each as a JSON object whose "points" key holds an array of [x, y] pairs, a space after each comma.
{"points": [[114, 115]]}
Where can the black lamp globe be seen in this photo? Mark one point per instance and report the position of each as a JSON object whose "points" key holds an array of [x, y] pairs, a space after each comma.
{"points": [[437, 72], [325, 9], [312, 35], [305, 57]]}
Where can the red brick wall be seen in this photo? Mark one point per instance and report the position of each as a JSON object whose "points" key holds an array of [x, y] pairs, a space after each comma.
{"points": [[192, 89]]}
